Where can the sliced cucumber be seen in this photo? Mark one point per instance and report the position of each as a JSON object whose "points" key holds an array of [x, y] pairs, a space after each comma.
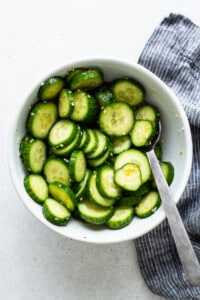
{"points": [[57, 169], [63, 194], [142, 133], [148, 204], [66, 151], [85, 107], [36, 187], [87, 79], [147, 112], [77, 165], [94, 194], [92, 143], [137, 157], [41, 118], [65, 103], [116, 119], [93, 213], [129, 91], [129, 177], [84, 138], [102, 145], [104, 96], [127, 201], [55, 212], [62, 133], [123, 215], [168, 172], [97, 162], [50, 88], [121, 143], [106, 184], [80, 188], [72, 72], [34, 155]]}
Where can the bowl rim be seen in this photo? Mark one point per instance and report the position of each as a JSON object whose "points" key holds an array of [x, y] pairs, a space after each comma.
{"points": [[96, 60]]}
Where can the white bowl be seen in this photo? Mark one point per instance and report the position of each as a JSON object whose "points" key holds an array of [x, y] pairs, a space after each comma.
{"points": [[177, 148]]}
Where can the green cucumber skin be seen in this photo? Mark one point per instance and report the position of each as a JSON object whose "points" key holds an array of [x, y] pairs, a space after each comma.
{"points": [[57, 82], [102, 181], [124, 95], [33, 194], [112, 223], [151, 209], [87, 80], [89, 112], [38, 113], [92, 217], [77, 169], [63, 194], [40, 154], [57, 169], [65, 103], [94, 194], [116, 119], [53, 218]]}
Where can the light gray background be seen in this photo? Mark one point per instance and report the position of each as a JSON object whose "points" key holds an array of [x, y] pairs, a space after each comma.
{"points": [[35, 37]]}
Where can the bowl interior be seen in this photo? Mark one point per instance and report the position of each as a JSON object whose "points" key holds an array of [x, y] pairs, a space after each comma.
{"points": [[177, 148]]}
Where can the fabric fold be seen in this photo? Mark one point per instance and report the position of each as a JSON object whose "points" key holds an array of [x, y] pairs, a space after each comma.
{"points": [[173, 54]]}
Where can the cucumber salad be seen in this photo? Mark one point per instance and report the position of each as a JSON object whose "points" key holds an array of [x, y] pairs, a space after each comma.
{"points": [[83, 150]]}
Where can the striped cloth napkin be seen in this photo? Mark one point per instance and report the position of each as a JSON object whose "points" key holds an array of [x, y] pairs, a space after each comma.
{"points": [[173, 54]]}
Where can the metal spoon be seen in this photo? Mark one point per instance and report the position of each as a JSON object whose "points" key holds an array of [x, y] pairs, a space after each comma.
{"points": [[184, 247]]}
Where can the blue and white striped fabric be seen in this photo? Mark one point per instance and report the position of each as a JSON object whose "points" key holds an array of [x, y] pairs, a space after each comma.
{"points": [[173, 54]]}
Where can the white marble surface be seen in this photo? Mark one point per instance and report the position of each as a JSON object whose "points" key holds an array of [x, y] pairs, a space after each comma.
{"points": [[36, 36]]}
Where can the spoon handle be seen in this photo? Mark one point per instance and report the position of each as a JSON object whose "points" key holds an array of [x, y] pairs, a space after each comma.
{"points": [[184, 247]]}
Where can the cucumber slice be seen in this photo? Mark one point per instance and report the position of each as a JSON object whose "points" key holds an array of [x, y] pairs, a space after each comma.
{"points": [[80, 188], [65, 103], [102, 145], [77, 165], [104, 96], [84, 139], [106, 184], [158, 151], [72, 72], [147, 112], [87, 79], [129, 91], [55, 212], [57, 169], [95, 195], [148, 204], [93, 213], [122, 217], [97, 162], [85, 107], [63, 194], [129, 177], [137, 157], [127, 201], [50, 88], [92, 143], [41, 118], [168, 172], [62, 133], [116, 119], [142, 133], [121, 143], [36, 187], [34, 155], [66, 151]]}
